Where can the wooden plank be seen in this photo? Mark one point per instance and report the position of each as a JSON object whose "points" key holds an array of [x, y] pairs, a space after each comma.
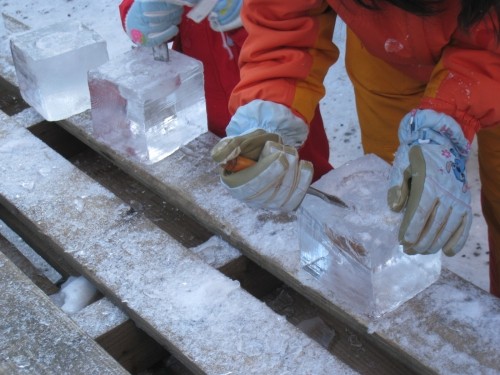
{"points": [[38, 338], [189, 179], [37, 277], [203, 318]]}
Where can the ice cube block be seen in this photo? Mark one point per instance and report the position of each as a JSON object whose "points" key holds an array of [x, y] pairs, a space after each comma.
{"points": [[355, 252], [51, 66], [147, 109]]}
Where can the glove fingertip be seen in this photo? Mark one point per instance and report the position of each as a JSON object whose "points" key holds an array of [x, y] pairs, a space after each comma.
{"points": [[409, 251], [395, 198]]}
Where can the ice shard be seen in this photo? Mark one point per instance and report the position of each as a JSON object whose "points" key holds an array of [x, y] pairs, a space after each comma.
{"points": [[147, 109], [355, 252], [51, 67]]}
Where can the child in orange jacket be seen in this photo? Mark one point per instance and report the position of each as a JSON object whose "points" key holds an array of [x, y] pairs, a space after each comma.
{"points": [[424, 75], [215, 37]]}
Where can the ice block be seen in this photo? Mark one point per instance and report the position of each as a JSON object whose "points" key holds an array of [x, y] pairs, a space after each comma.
{"points": [[147, 109], [51, 66], [355, 252]]}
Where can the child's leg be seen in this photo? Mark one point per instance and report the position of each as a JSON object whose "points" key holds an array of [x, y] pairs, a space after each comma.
{"points": [[316, 148], [383, 96], [489, 171]]}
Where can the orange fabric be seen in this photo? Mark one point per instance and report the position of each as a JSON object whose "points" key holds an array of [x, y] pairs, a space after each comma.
{"points": [[287, 65], [289, 50]]}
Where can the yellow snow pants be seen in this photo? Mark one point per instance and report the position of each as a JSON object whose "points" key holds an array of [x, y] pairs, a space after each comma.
{"points": [[383, 96]]}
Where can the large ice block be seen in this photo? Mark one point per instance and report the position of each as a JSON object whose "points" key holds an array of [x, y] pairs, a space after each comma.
{"points": [[51, 66], [355, 252], [145, 108]]}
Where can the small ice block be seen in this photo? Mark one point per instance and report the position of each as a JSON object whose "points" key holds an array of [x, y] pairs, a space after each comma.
{"points": [[51, 66], [147, 109], [355, 252]]}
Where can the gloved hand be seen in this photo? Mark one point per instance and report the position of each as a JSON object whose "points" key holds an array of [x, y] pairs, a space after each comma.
{"points": [[278, 179], [428, 179], [152, 22], [226, 15], [223, 15]]}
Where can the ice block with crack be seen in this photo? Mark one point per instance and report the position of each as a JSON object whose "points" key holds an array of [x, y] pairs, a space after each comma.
{"points": [[355, 252], [147, 109], [51, 67]]}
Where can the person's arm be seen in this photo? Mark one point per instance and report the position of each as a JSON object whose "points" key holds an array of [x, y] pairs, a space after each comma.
{"points": [[287, 54], [466, 79]]}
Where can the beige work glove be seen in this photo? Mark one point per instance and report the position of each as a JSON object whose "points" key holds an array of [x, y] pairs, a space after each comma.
{"points": [[428, 180], [275, 178]]}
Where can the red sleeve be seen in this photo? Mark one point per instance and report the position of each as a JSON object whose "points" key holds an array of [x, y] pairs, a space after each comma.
{"points": [[124, 7], [466, 81]]}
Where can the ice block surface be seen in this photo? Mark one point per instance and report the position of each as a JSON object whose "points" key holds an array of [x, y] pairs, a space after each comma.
{"points": [[145, 108], [51, 66], [355, 252]]}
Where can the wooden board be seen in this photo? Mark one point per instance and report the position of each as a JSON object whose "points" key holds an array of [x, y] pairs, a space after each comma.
{"points": [[38, 338], [189, 179], [202, 317]]}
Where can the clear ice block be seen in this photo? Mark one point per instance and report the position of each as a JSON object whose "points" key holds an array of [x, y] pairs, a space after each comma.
{"points": [[51, 66], [355, 252], [145, 108]]}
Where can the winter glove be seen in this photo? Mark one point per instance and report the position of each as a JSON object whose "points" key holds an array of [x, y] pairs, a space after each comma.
{"points": [[151, 22], [223, 15], [428, 179], [226, 15], [278, 179]]}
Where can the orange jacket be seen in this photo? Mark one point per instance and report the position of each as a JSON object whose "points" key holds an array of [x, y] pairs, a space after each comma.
{"points": [[289, 51]]}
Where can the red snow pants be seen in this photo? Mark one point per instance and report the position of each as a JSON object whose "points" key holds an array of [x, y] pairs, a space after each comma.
{"points": [[383, 96]]}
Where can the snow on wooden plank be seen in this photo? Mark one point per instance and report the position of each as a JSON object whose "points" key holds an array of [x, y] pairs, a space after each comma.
{"points": [[102, 316], [38, 338], [99, 317], [202, 317], [190, 179]]}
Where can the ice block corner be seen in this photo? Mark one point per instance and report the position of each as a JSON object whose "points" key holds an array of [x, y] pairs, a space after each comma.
{"points": [[146, 109], [355, 252], [51, 66]]}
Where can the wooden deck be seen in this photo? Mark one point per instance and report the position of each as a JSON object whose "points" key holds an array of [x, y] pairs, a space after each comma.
{"points": [[211, 316]]}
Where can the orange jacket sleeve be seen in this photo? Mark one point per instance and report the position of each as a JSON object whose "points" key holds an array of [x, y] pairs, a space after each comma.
{"points": [[466, 82], [286, 55]]}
